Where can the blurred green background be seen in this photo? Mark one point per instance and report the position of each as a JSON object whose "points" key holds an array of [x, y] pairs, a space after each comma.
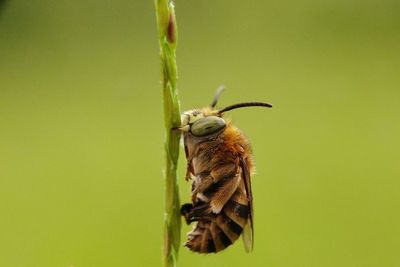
{"points": [[81, 128]]}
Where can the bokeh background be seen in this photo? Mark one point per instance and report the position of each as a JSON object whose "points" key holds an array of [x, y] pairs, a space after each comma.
{"points": [[81, 128]]}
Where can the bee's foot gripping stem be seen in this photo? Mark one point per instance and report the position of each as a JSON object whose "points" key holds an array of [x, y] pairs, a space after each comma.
{"points": [[186, 209]]}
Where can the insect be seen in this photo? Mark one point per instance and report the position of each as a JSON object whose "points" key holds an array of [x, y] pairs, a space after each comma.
{"points": [[219, 163]]}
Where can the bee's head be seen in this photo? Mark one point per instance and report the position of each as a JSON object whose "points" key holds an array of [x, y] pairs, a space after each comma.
{"points": [[201, 122], [207, 121]]}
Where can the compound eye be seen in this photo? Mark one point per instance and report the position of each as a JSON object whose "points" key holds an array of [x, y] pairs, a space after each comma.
{"points": [[207, 125]]}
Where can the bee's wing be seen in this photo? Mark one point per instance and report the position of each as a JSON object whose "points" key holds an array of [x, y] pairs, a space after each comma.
{"points": [[248, 234], [247, 237]]}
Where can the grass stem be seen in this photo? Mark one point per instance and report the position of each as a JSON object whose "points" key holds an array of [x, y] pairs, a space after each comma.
{"points": [[167, 33]]}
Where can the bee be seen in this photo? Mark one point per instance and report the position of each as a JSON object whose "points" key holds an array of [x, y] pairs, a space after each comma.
{"points": [[220, 164]]}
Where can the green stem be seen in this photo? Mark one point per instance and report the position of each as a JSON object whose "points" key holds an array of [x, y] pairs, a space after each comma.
{"points": [[167, 33]]}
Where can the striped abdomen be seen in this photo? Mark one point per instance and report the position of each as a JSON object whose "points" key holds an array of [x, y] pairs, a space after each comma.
{"points": [[215, 232]]}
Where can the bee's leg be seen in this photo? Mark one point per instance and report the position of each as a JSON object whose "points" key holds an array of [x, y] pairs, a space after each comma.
{"points": [[202, 182], [199, 212], [189, 169], [194, 213], [185, 211]]}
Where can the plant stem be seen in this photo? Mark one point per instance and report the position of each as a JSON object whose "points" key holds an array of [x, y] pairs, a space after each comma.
{"points": [[167, 33]]}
